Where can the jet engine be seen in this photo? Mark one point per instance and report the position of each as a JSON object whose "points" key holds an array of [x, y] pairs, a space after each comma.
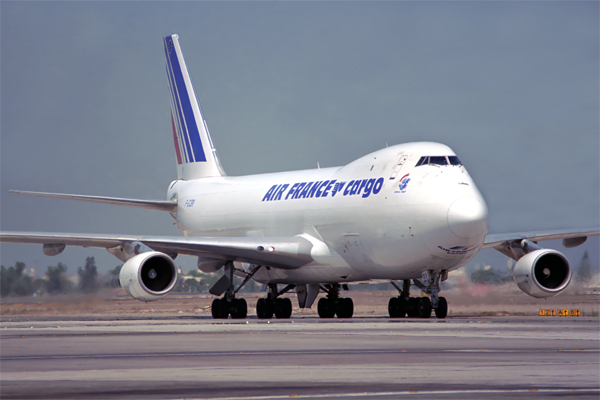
{"points": [[148, 276], [542, 273]]}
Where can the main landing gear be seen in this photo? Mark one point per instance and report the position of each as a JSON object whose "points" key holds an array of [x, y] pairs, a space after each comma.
{"points": [[229, 304], [273, 304], [333, 305], [419, 307]]}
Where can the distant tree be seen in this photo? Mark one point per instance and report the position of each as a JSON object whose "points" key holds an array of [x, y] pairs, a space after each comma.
{"points": [[190, 285], [56, 281], [38, 285], [487, 276], [113, 276], [88, 275], [14, 282], [195, 273], [5, 280], [584, 271]]}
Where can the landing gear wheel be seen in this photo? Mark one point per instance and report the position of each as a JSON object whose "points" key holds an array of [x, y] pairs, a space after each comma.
{"points": [[442, 309], [397, 307], [326, 308], [283, 308], [412, 309], [264, 309], [220, 309], [424, 308], [344, 308], [238, 309]]}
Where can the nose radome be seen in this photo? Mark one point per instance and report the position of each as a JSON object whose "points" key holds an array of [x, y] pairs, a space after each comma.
{"points": [[467, 217]]}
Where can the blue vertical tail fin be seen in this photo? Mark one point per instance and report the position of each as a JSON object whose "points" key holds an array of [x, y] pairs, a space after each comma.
{"points": [[196, 156]]}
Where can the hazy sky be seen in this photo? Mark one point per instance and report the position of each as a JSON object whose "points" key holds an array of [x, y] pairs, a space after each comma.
{"points": [[512, 87]]}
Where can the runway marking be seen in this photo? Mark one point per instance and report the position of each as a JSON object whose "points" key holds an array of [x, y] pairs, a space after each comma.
{"points": [[287, 353], [406, 393]]}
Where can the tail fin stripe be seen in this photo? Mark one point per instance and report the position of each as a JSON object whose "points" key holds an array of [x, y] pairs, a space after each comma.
{"points": [[178, 117], [185, 107], [177, 149], [183, 137]]}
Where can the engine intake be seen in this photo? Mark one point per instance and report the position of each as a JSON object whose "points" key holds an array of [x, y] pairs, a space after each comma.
{"points": [[542, 273], [148, 276]]}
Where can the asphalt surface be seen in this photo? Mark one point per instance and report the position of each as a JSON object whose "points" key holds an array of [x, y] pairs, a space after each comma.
{"points": [[90, 357]]}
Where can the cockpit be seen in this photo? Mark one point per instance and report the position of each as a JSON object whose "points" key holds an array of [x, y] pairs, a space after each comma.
{"points": [[438, 160]]}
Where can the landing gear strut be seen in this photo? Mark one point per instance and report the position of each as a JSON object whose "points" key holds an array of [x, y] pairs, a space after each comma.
{"points": [[229, 304], [432, 288], [333, 305], [273, 304], [420, 307]]}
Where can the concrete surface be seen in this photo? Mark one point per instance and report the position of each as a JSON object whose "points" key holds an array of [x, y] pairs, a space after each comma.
{"points": [[188, 356]]}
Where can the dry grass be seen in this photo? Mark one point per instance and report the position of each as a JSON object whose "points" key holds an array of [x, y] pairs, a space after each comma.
{"points": [[483, 302]]}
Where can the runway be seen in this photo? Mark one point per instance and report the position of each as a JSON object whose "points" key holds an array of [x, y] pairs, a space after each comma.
{"points": [[375, 357]]}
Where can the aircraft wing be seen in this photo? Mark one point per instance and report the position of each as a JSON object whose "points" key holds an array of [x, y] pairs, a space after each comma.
{"points": [[160, 205], [285, 253], [570, 237]]}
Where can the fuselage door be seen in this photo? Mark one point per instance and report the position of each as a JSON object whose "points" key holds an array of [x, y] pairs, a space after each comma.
{"points": [[398, 166]]}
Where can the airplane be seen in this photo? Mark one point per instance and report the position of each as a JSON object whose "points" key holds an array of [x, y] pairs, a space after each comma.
{"points": [[408, 213]]}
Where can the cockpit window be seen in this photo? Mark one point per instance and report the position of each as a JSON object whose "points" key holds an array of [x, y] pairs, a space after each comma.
{"points": [[454, 160], [422, 161], [438, 160]]}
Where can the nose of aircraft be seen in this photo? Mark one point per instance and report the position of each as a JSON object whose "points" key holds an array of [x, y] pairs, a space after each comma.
{"points": [[467, 217]]}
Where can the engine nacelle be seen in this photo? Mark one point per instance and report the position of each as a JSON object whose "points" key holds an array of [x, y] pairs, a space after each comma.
{"points": [[542, 273], [148, 276]]}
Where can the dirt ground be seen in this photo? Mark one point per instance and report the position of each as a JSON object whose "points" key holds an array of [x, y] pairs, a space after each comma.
{"points": [[117, 303]]}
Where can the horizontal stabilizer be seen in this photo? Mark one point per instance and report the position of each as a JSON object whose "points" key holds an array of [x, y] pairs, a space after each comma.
{"points": [[161, 205]]}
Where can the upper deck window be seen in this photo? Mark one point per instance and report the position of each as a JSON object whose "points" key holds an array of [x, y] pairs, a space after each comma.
{"points": [[438, 160]]}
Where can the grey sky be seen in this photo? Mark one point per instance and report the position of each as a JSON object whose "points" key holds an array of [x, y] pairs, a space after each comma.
{"points": [[512, 87]]}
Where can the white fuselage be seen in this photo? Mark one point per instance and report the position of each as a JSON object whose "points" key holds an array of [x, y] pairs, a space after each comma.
{"points": [[379, 217]]}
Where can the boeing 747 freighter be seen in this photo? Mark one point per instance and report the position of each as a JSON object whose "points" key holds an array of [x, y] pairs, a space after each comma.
{"points": [[407, 214]]}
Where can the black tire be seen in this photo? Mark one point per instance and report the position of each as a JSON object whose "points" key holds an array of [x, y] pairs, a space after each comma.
{"points": [[393, 307], [326, 308], [283, 308], [264, 309], [402, 306], [238, 309], [397, 307], [442, 309], [215, 308], [219, 309], [424, 308], [344, 308], [412, 308]]}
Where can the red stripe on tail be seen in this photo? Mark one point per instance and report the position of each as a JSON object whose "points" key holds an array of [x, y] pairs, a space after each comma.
{"points": [[176, 141]]}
